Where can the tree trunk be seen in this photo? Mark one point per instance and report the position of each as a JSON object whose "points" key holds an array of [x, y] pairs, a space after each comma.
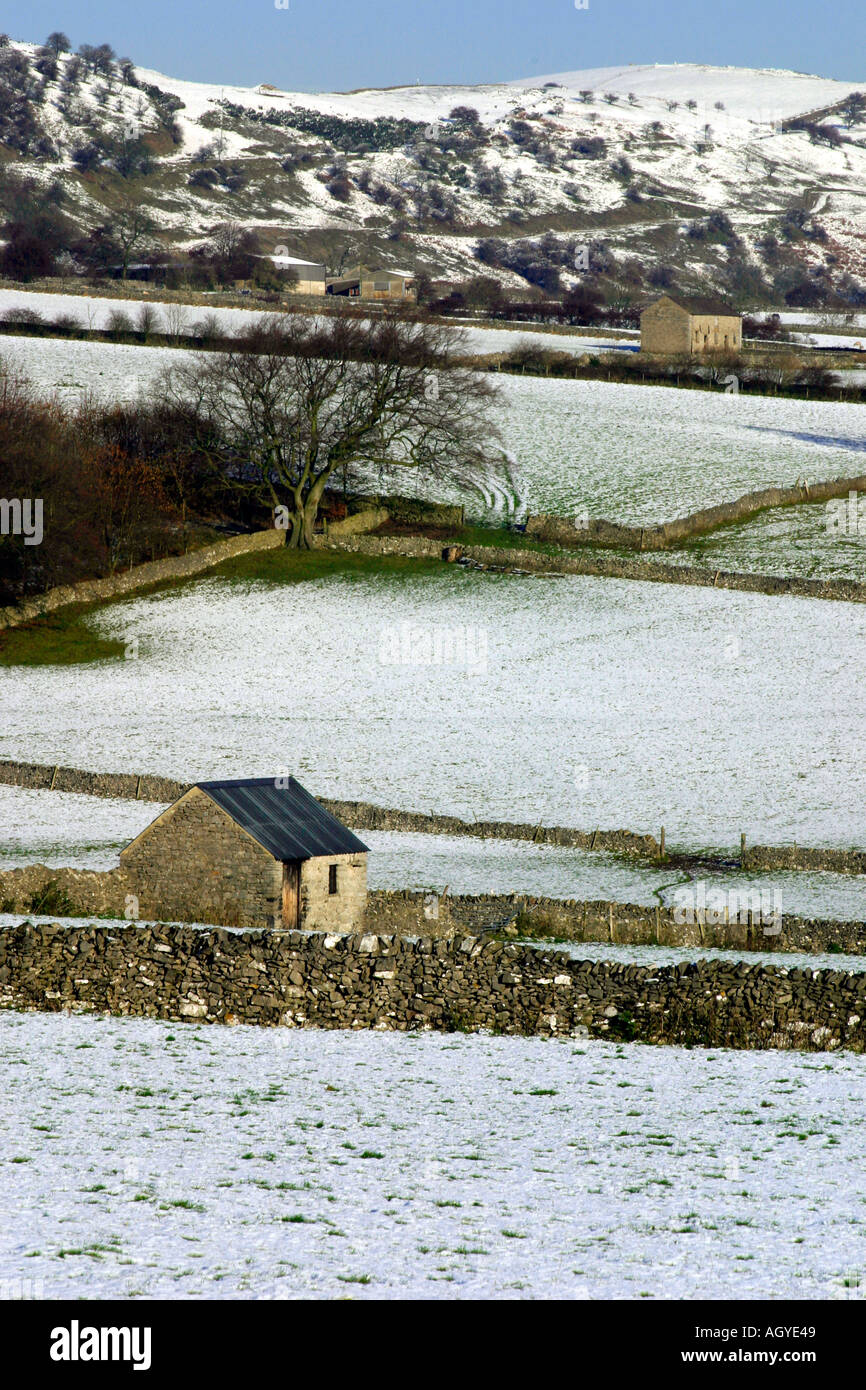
{"points": [[299, 535]]}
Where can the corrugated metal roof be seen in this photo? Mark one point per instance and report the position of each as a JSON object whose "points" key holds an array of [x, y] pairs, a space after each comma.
{"points": [[286, 820]]}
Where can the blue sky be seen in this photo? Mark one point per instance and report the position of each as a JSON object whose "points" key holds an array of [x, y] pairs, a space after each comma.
{"points": [[315, 45]]}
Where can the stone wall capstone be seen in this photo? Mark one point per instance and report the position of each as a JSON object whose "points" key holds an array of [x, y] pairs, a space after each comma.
{"points": [[41, 890]]}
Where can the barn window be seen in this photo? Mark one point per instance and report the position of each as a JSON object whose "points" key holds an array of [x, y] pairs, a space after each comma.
{"points": [[332, 878]]}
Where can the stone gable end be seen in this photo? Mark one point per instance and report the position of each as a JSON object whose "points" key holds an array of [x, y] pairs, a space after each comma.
{"points": [[196, 864], [670, 329]]}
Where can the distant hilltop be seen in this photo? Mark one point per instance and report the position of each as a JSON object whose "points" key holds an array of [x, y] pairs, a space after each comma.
{"points": [[625, 179]]}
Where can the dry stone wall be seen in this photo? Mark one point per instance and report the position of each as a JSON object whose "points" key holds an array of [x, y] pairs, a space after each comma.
{"points": [[348, 534], [516, 560], [42, 891], [140, 576], [562, 531], [626, 924], [363, 815], [294, 979]]}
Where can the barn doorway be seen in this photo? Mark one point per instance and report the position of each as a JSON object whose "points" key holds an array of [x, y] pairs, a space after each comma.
{"points": [[291, 895]]}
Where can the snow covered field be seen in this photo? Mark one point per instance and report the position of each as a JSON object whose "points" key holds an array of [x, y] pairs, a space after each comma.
{"points": [[84, 832], [72, 370], [151, 1160], [565, 701], [785, 540], [94, 312], [638, 454], [642, 454]]}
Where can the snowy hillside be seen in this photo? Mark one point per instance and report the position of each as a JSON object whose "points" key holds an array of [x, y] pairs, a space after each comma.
{"points": [[757, 94], [637, 176]]}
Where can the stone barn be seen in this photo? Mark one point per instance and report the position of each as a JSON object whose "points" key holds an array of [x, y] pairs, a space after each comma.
{"points": [[259, 852], [684, 326]]}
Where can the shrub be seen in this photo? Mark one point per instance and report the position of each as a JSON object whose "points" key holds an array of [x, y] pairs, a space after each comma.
{"points": [[490, 183], [339, 187], [621, 168], [27, 316], [203, 178], [146, 320], [207, 328], [26, 256], [51, 900], [589, 146], [119, 321], [86, 157], [661, 277]]}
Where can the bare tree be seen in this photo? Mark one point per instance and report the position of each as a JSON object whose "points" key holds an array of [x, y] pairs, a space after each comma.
{"points": [[176, 319], [131, 227], [334, 258], [298, 399]]}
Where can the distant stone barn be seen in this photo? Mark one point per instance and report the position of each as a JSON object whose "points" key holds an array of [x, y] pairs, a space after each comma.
{"points": [[260, 852], [684, 326]]}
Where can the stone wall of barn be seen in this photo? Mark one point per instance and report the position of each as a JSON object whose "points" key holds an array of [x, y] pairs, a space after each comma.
{"points": [[294, 980], [667, 329], [197, 865], [322, 910], [664, 328], [710, 331]]}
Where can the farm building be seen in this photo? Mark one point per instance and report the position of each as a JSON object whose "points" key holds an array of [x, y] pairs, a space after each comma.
{"points": [[312, 276], [362, 282], [688, 326], [259, 852]]}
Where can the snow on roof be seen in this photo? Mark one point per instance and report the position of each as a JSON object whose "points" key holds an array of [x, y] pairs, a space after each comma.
{"points": [[293, 260]]}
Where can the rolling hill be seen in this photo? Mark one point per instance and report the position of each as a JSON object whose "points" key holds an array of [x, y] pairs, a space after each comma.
{"points": [[749, 181]]}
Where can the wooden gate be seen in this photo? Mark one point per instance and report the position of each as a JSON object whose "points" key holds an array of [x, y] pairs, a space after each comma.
{"points": [[291, 894]]}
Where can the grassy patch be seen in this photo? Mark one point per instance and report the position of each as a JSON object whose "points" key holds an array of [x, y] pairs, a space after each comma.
{"points": [[59, 639], [285, 566], [66, 638]]}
